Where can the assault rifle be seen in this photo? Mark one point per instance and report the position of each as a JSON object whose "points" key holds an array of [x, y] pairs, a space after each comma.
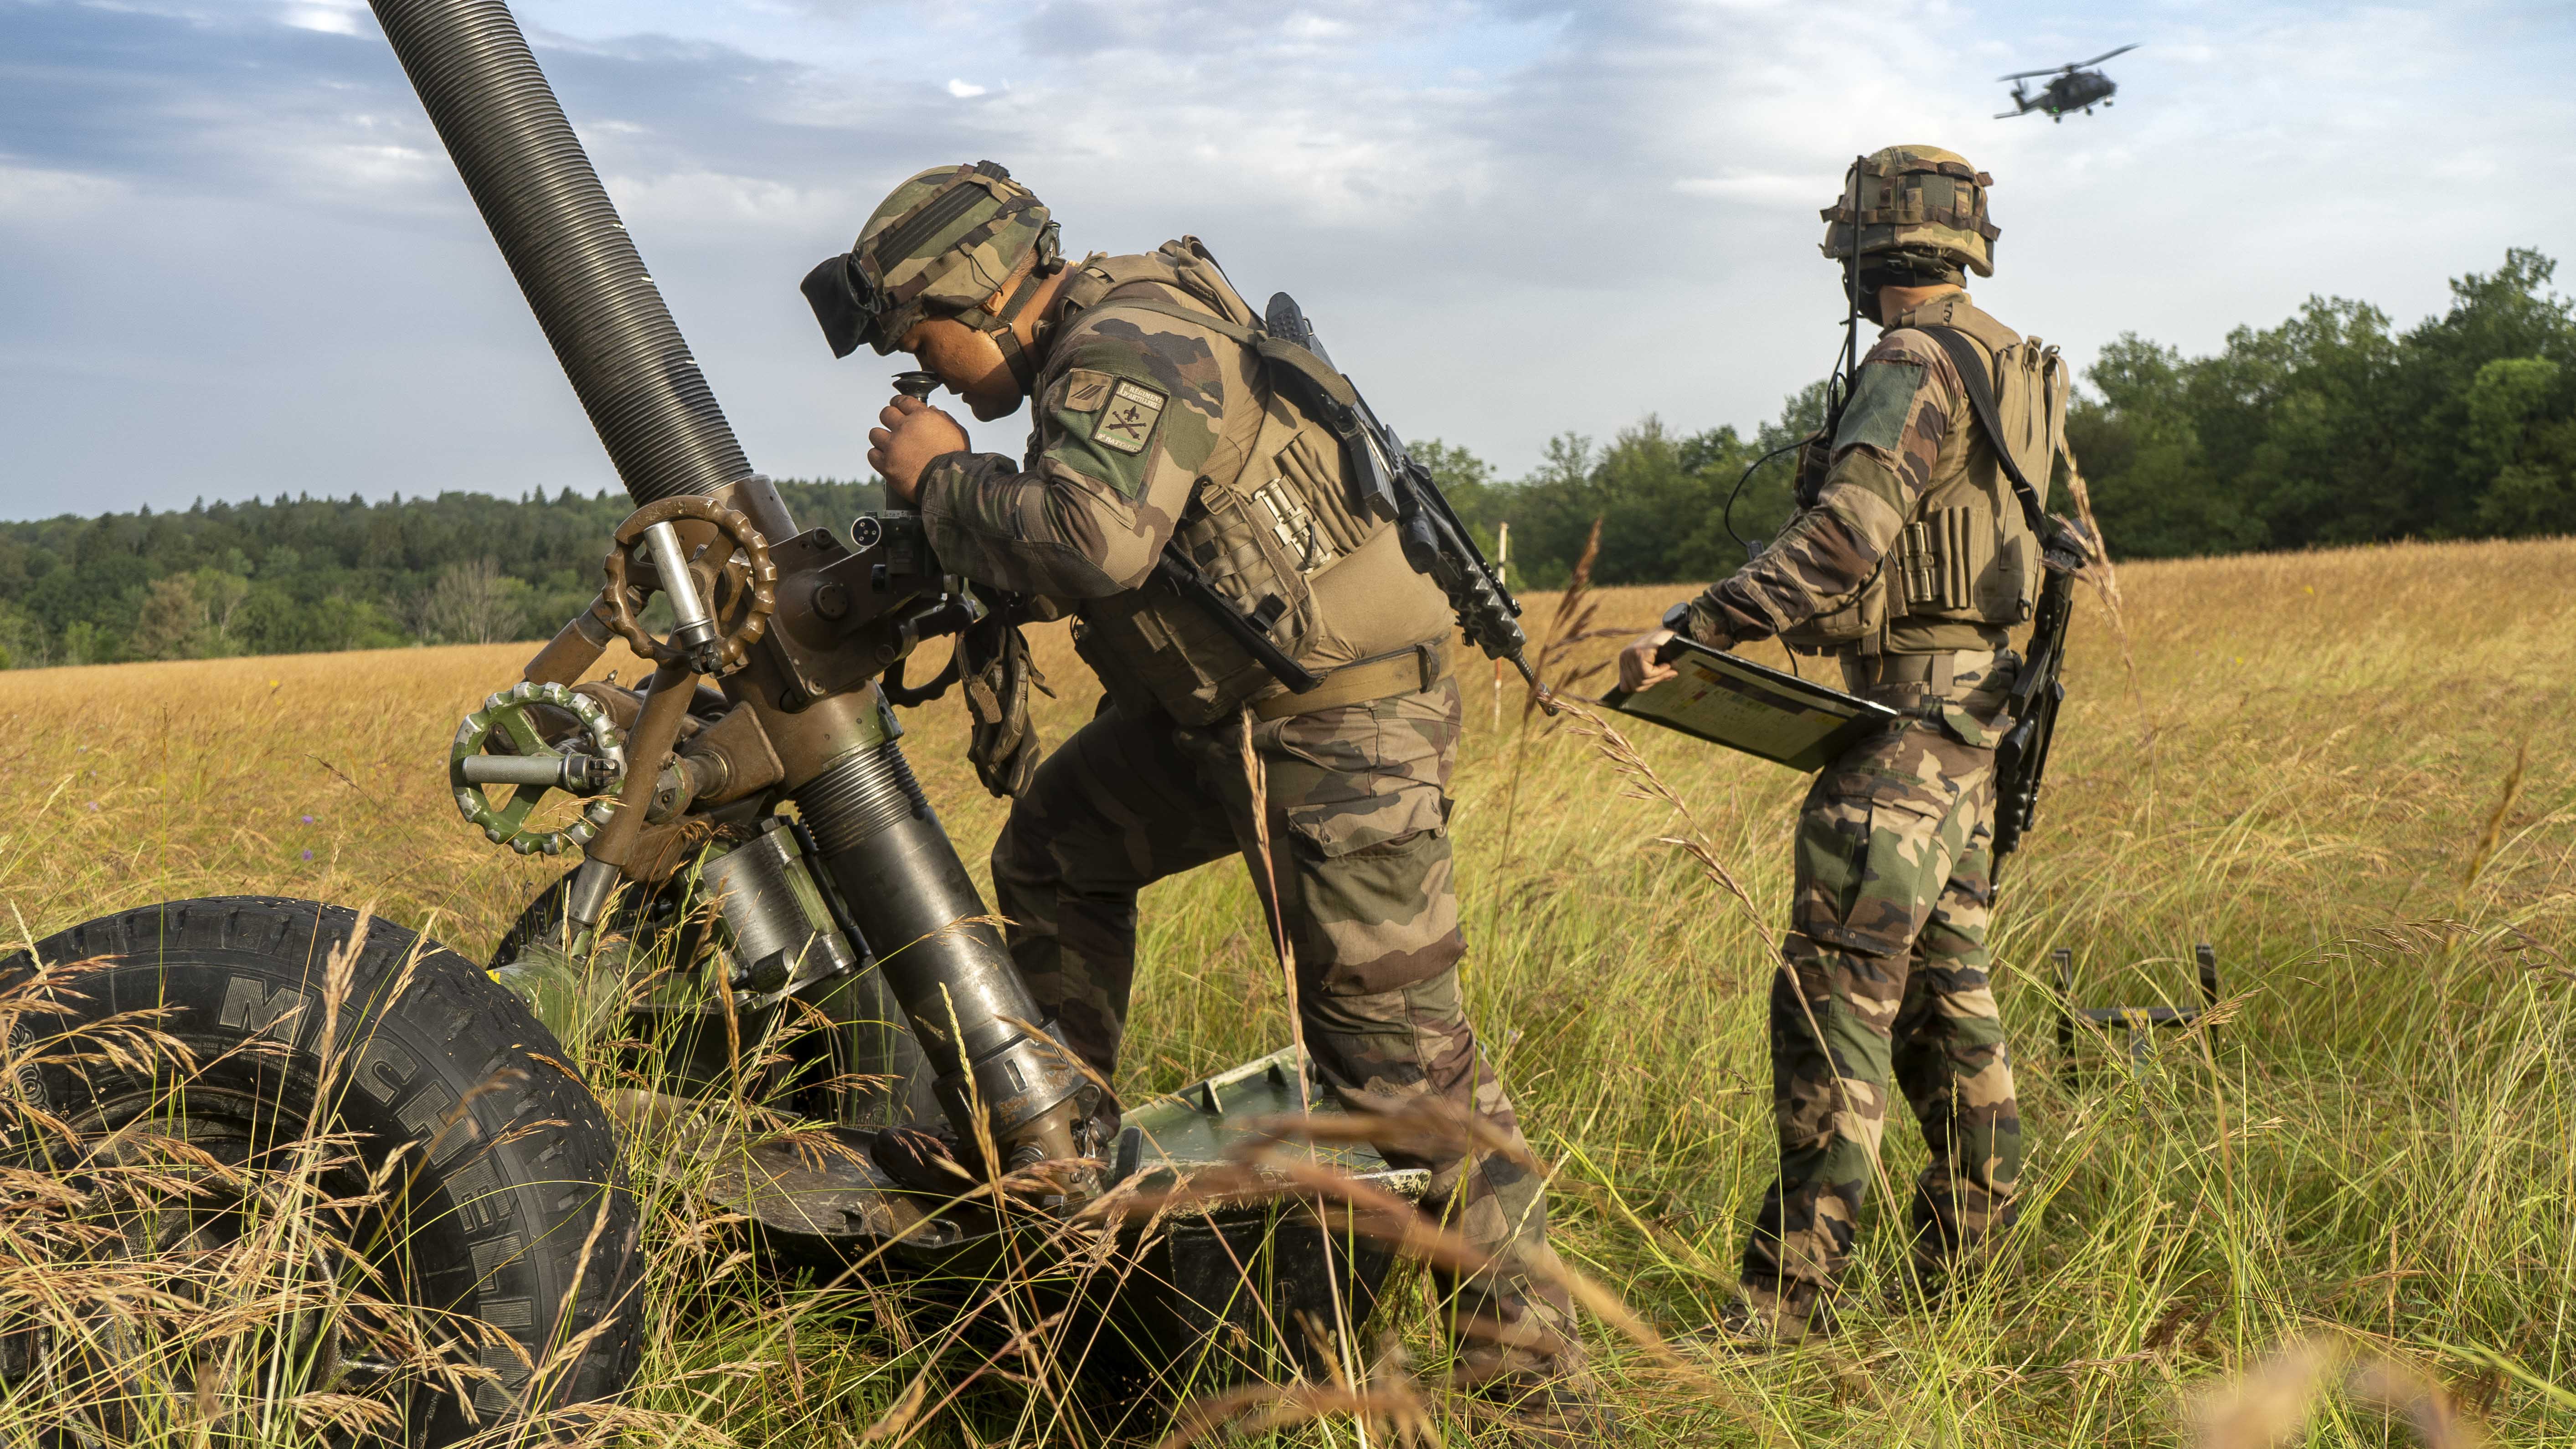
{"points": [[2021, 760], [1390, 484]]}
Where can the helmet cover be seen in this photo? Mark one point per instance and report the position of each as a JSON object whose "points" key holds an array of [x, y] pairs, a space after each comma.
{"points": [[1916, 199], [943, 242]]}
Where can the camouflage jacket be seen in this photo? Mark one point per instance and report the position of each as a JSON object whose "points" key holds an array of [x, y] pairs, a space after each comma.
{"points": [[1131, 407], [1908, 423]]}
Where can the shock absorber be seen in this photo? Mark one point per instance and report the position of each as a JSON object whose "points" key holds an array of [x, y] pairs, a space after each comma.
{"points": [[909, 895]]}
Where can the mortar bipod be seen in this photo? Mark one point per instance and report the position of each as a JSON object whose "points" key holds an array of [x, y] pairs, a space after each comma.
{"points": [[2140, 1022]]}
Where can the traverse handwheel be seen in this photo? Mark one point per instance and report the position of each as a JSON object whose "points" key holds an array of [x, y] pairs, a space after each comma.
{"points": [[739, 557]]}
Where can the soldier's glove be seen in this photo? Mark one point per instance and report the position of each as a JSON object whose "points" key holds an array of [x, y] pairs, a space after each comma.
{"points": [[994, 671]]}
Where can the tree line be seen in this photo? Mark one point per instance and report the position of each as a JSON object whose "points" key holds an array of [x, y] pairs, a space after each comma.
{"points": [[2335, 427], [302, 574]]}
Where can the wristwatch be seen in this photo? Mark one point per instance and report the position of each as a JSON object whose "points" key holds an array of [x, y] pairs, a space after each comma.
{"points": [[1678, 619]]}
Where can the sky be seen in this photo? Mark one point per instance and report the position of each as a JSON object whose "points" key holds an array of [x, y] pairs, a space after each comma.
{"points": [[234, 260]]}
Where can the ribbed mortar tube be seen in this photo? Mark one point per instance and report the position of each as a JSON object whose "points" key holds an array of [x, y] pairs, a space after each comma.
{"points": [[909, 895], [534, 185]]}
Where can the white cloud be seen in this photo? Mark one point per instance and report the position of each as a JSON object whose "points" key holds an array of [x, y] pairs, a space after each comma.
{"points": [[1510, 216], [1773, 190], [716, 205], [384, 168], [28, 193], [329, 18]]}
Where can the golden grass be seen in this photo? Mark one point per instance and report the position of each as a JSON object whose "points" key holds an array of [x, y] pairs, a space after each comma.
{"points": [[2350, 772]]}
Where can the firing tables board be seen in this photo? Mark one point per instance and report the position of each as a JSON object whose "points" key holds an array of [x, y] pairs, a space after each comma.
{"points": [[1742, 705]]}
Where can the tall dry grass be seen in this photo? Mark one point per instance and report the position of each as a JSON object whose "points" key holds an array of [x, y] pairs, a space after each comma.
{"points": [[2349, 772]]}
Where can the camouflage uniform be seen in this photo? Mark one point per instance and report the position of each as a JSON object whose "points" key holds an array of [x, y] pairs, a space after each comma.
{"points": [[1136, 410], [1885, 978], [1357, 799]]}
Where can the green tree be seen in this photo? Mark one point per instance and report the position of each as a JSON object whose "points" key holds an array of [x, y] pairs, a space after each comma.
{"points": [[170, 618], [1468, 482], [473, 603], [2528, 455], [2334, 427]]}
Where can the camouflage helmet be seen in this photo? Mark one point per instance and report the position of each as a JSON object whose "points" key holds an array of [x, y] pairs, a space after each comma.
{"points": [[940, 245], [1917, 199]]}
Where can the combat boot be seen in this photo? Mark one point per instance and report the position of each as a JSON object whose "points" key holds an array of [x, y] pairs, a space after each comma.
{"points": [[1762, 1317], [1937, 1274], [1542, 1410], [1929, 1285]]}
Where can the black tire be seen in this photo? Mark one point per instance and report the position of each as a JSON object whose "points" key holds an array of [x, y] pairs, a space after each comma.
{"points": [[510, 1199]]}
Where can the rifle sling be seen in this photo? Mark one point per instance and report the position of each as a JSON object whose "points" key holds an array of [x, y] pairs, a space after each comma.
{"points": [[1975, 374]]}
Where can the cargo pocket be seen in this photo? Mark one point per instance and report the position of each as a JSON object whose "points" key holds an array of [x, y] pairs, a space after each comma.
{"points": [[1968, 728], [1373, 905], [1869, 862], [1376, 823]]}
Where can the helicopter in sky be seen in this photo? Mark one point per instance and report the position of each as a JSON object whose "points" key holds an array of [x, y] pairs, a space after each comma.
{"points": [[2072, 88]]}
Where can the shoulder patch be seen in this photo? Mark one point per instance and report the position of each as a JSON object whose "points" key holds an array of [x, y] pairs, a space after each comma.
{"points": [[1085, 390], [1880, 403], [1127, 423]]}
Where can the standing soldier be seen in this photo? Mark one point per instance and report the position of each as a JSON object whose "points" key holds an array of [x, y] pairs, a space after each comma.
{"points": [[1157, 426], [1910, 558]]}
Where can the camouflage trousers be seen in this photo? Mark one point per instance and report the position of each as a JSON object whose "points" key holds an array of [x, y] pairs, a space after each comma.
{"points": [[1357, 813], [1884, 977]]}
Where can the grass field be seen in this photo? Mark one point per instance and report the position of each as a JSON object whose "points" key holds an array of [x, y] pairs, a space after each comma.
{"points": [[2349, 772]]}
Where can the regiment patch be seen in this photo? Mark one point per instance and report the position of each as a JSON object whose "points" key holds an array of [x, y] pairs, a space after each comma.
{"points": [[1085, 390], [1128, 421]]}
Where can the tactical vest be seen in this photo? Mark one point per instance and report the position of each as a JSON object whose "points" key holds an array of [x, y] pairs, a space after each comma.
{"points": [[1269, 522], [1965, 567]]}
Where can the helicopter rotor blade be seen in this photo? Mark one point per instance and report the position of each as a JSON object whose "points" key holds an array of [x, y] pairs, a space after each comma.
{"points": [[2073, 65]]}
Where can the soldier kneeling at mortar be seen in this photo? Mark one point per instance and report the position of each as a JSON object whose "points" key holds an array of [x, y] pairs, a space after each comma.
{"points": [[1913, 552], [1156, 425]]}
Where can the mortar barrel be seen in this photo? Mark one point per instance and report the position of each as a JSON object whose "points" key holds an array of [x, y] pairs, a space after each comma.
{"points": [[573, 259]]}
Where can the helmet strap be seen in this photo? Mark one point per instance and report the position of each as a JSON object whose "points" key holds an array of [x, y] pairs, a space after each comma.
{"points": [[1014, 356]]}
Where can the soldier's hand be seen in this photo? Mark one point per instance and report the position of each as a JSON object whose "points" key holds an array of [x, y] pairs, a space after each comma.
{"points": [[914, 432], [1639, 665]]}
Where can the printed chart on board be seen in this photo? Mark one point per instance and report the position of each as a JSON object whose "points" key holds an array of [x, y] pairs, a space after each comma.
{"points": [[1752, 707]]}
